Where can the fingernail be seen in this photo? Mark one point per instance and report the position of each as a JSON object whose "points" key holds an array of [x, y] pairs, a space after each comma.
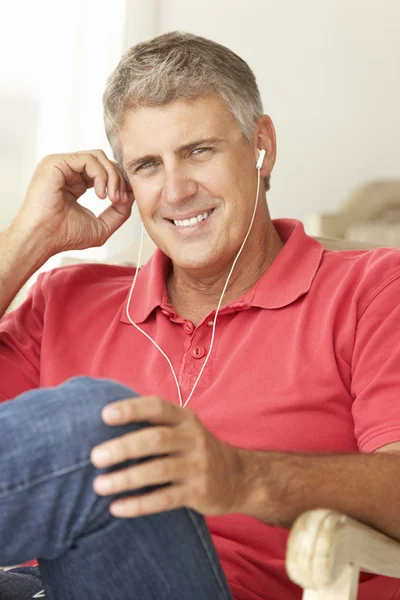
{"points": [[111, 413], [100, 455], [117, 509], [117, 195], [103, 484], [126, 198]]}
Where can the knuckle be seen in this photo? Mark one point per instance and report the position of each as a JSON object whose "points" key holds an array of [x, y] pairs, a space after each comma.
{"points": [[191, 415], [131, 479], [163, 469], [168, 499], [201, 445], [202, 488], [94, 152], [75, 155], [139, 504], [159, 436], [127, 407], [157, 405], [120, 479], [203, 465], [48, 160], [117, 167], [125, 447]]}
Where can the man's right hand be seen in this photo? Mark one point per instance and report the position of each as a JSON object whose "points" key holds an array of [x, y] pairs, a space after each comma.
{"points": [[51, 207]]}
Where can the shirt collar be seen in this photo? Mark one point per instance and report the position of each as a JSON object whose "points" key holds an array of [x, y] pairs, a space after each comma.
{"points": [[291, 274], [150, 289], [288, 278]]}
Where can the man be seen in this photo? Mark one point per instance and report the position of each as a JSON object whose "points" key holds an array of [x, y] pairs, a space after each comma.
{"points": [[248, 418]]}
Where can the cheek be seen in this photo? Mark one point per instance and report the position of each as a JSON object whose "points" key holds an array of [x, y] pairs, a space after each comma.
{"points": [[146, 201]]}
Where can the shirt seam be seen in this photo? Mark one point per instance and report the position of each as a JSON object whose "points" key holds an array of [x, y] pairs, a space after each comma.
{"points": [[336, 254], [377, 433], [377, 291]]}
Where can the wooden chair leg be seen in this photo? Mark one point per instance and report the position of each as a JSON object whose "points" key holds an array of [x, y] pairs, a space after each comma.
{"points": [[343, 588]]}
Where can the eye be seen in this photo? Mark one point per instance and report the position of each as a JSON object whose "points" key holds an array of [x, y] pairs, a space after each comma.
{"points": [[198, 151], [146, 166]]}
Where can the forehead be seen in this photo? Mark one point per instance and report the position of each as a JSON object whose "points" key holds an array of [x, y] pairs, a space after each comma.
{"points": [[149, 129]]}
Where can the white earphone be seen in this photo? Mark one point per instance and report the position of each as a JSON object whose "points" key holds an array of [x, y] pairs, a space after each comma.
{"points": [[260, 159], [258, 167]]}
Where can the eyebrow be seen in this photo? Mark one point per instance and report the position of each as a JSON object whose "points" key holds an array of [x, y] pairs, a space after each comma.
{"points": [[185, 148]]}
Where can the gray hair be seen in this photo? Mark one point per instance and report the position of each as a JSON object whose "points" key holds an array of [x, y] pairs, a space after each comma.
{"points": [[180, 66]]}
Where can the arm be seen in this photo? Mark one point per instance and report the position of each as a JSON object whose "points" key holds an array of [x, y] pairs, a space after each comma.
{"points": [[280, 487], [21, 255], [51, 220]]}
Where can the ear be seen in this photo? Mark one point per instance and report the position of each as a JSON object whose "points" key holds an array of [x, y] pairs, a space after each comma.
{"points": [[265, 139]]}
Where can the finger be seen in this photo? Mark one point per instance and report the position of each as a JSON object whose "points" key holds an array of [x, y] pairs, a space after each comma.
{"points": [[128, 191], [122, 191], [89, 168], [167, 498], [129, 196], [113, 217], [152, 472], [114, 175], [154, 409], [123, 183], [139, 444]]}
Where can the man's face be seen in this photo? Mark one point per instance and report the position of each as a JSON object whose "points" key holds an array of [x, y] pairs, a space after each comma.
{"points": [[191, 161]]}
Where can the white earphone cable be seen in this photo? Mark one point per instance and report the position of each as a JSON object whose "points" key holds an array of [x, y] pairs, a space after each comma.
{"points": [[218, 307]]}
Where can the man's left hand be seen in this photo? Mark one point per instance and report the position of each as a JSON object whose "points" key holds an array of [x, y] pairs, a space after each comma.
{"points": [[204, 473]]}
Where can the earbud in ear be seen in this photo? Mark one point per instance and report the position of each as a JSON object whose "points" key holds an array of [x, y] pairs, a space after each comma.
{"points": [[260, 159]]}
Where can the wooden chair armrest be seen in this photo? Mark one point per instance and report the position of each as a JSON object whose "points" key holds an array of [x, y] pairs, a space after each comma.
{"points": [[323, 543]]}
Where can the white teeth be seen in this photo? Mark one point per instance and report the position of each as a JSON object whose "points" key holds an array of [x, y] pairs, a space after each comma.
{"points": [[193, 220]]}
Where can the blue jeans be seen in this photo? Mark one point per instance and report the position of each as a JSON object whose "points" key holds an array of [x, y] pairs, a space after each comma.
{"points": [[49, 510]]}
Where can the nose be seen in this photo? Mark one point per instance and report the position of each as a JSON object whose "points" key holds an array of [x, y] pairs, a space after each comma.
{"points": [[178, 185]]}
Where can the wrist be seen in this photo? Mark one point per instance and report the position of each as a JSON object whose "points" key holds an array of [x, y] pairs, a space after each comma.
{"points": [[254, 499], [29, 244], [269, 489]]}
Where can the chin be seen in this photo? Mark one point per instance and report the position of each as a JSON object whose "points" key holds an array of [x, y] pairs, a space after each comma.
{"points": [[191, 260]]}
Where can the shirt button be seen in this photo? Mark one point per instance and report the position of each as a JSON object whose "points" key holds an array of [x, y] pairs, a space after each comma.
{"points": [[198, 352], [166, 313], [210, 323], [188, 327]]}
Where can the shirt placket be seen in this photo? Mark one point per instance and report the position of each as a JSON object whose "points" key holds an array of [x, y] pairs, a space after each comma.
{"points": [[196, 347]]}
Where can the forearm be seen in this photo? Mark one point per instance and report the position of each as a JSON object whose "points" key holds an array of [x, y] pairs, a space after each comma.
{"points": [[280, 487], [21, 255]]}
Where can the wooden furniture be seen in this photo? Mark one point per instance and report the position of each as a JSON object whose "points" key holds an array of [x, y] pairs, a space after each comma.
{"points": [[371, 213], [327, 550]]}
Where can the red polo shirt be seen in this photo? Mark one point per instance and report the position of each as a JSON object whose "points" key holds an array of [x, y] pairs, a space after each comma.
{"points": [[307, 360]]}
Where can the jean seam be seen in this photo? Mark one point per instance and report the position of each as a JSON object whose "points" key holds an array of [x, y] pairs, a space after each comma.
{"points": [[210, 558], [43, 478]]}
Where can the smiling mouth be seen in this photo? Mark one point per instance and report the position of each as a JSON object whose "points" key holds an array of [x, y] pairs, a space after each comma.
{"points": [[193, 221]]}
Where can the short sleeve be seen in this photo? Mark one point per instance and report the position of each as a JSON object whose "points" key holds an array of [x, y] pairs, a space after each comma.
{"points": [[20, 343], [376, 370]]}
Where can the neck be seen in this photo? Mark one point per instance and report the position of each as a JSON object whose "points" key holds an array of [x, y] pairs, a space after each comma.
{"points": [[194, 297]]}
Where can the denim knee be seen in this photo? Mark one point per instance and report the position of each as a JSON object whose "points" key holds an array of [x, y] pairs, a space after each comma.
{"points": [[80, 403], [56, 426], [45, 445]]}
